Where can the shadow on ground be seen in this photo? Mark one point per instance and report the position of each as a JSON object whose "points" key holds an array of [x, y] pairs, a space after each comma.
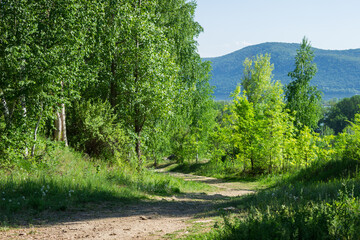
{"points": [[189, 205]]}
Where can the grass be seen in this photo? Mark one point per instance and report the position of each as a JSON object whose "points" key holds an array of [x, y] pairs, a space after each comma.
{"points": [[67, 180], [318, 202]]}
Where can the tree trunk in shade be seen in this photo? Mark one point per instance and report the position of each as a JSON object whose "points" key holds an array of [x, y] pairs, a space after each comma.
{"points": [[60, 126], [23, 107], [35, 135], [60, 123]]}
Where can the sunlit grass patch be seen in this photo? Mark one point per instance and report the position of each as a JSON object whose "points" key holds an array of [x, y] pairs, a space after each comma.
{"points": [[299, 205], [68, 181]]}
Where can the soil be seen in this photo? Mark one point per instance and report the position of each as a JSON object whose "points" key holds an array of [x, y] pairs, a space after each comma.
{"points": [[158, 218]]}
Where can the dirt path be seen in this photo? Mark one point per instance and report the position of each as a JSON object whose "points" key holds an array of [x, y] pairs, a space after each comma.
{"points": [[153, 219]]}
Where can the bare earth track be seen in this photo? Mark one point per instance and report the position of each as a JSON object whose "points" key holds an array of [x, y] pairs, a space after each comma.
{"points": [[152, 219]]}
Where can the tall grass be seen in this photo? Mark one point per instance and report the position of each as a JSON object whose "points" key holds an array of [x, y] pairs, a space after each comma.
{"points": [[319, 202], [68, 180]]}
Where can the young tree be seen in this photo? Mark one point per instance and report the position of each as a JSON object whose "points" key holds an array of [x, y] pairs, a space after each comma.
{"points": [[302, 99], [246, 135], [260, 121]]}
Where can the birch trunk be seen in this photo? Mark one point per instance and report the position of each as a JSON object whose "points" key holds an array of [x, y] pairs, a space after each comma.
{"points": [[63, 122], [60, 126], [6, 110], [60, 123], [35, 135], [23, 107]]}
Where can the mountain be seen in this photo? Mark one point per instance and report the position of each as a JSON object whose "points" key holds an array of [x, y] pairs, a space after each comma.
{"points": [[338, 70]]}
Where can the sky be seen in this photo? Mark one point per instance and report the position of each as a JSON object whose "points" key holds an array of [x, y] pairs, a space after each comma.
{"points": [[230, 25]]}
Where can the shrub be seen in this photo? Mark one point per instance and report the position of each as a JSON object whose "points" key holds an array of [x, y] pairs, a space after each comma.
{"points": [[92, 128]]}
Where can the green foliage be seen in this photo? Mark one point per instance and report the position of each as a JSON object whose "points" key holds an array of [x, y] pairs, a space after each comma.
{"points": [[93, 129], [259, 121], [140, 57], [246, 128], [339, 115], [42, 64], [352, 150], [257, 78], [193, 120], [319, 201], [303, 100], [306, 147]]}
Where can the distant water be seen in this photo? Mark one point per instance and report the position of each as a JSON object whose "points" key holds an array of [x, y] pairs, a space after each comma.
{"points": [[326, 96]]}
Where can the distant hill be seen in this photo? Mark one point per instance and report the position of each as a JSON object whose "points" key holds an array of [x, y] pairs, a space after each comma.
{"points": [[338, 70]]}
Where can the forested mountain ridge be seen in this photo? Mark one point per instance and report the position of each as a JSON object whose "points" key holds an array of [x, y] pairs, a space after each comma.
{"points": [[338, 70]]}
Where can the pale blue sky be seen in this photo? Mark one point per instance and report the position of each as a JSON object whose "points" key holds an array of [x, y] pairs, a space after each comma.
{"points": [[233, 24]]}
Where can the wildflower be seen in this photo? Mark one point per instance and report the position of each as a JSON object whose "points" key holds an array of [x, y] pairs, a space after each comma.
{"points": [[3, 199], [10, 200], [23, 197]]}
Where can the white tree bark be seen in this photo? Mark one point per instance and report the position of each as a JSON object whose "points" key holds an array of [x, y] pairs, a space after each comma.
{"points": [[63, 122], [35, 134], [24, 111], [60, 123], [5, 106]]}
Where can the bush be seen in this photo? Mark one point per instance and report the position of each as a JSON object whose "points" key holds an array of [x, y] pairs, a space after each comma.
{"points": [[92, 129]]}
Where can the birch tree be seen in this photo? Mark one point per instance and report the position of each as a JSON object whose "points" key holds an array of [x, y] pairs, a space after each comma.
{"points": [[302, 99]]}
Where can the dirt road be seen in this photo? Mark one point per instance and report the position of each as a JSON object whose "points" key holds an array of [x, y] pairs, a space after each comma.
{"points": [[158, 218]]}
